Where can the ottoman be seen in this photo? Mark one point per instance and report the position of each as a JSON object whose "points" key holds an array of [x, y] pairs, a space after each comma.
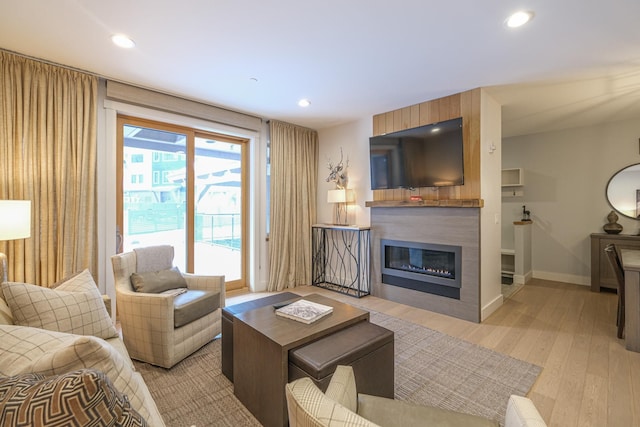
{"points": [[365, 346], [228, 313]]}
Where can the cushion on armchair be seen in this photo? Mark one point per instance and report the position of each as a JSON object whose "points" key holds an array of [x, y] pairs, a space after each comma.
{"points": [[75, 306], [342, 388], [194, 304], [158, 281], [154, 258], [84, 397], [388, 412], [309, 407]]}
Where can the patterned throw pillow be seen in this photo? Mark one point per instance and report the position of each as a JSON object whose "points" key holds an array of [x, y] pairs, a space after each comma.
{"points": [[31, 350], [84, 397], [75, 307]]}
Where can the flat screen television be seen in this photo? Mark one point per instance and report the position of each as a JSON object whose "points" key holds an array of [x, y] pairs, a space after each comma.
{"points": [[426, 156]]}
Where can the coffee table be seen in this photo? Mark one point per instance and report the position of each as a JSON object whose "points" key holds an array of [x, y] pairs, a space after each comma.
{"points": [[230, 312], [261, 344]]}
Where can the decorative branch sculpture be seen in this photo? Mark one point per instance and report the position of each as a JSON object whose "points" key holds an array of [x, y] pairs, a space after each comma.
{"points": [[338, 173]]}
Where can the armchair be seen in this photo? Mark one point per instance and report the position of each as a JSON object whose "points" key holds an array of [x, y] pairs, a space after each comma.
{"points": [[164, 328], [343, 406]]}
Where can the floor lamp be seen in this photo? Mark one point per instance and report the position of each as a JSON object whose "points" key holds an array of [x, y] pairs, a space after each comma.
{"points": [[15, 223]]}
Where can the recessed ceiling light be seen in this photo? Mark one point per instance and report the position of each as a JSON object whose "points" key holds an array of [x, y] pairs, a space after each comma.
{"points": [[518, 19], [304, 103], [122, 41]]}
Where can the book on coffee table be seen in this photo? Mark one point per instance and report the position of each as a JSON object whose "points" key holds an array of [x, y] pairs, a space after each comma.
{"points": [[304, 311]]}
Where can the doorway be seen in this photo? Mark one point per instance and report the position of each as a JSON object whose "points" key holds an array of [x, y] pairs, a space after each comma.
{"points": [[187, 188]]}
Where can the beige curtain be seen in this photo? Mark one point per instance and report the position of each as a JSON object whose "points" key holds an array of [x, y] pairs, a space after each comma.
{"points": [[48, 156], [294, 176]]}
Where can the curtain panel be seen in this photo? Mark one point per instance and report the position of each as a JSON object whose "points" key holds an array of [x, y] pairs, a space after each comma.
{"points": [[294, 176], [48, 121]]}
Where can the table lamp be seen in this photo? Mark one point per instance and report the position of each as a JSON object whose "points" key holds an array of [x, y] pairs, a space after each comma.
{"points": [[15, 223], [340, 196]]}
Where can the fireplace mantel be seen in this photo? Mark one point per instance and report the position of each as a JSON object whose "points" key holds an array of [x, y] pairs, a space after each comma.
{"points": [[442, 203]]}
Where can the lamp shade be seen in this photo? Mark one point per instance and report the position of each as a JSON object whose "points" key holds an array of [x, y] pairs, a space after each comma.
{"points": [[337, 196], [15, 219], [340, 195]]}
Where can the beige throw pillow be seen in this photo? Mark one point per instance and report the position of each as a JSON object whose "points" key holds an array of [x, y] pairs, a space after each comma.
{"points": [[158, 281], [6, 318], [75, 307]]}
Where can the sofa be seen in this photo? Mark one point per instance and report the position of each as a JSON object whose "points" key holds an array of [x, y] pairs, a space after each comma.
{"points": [[342, 405], [59, 345]]}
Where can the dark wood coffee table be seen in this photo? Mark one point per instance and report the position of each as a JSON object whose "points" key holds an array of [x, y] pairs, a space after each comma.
{"points": [[261, 344]]}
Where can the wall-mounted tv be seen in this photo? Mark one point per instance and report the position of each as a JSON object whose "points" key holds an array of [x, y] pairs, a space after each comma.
{"points": [[426, 156]]}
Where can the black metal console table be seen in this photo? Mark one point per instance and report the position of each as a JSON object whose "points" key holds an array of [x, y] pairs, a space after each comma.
{"points": [[341, 258]]}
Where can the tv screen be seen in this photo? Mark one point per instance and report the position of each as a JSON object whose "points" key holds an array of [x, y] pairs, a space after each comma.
{"points": [[426, 156]]}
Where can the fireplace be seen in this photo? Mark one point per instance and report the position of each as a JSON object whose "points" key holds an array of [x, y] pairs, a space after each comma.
{"points": [[423, 267], [449, 227]]}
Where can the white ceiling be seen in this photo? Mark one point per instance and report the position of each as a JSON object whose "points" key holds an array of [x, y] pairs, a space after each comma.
{"points": [[576, 63]]}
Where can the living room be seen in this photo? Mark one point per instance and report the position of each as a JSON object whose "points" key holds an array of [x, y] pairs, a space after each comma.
{"points": [[566, 170]]}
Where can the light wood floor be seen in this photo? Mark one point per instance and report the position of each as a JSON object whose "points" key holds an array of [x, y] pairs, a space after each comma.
{"points": [[588, 378]]}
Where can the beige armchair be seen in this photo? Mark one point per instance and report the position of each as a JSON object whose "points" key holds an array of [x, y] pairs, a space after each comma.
{"points": [[163, 328], [341, 405]]}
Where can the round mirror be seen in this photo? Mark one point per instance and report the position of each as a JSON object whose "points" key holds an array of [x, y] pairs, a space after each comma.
{"points": [[623, 191]]}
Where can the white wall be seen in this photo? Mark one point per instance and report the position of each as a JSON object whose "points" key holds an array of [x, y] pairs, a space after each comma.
{"points": [[565, 177], [353, 138], [490, 181]]}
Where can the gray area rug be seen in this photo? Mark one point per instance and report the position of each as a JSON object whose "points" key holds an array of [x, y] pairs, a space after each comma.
{"points": [[436, 369], [432, 368]]}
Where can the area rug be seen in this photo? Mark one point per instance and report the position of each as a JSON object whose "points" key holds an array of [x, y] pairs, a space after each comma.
{"points": [[432, 368], [436, 369]]}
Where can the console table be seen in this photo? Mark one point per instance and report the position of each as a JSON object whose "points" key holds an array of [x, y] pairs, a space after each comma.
{"points": [[601, 274], [340, 258]]}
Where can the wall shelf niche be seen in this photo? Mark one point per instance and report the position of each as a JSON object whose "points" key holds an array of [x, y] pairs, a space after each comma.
{"points": [[512, 182]]}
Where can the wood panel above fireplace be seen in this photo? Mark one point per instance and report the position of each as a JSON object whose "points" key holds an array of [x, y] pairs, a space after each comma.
{"points": [[465, 105]]}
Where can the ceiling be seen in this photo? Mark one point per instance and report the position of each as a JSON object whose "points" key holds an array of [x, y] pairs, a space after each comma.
{"points": [[575, 63]]}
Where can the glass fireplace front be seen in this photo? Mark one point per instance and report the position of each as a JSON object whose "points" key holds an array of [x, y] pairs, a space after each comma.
{"points": [[424, 267]]}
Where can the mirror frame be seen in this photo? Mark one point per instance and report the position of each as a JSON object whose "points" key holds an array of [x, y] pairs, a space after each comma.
{"points": [[636, 202]]}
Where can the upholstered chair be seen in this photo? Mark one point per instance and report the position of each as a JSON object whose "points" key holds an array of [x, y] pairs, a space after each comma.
{"points": [[341, 405], [618, 272], [165, 315]]}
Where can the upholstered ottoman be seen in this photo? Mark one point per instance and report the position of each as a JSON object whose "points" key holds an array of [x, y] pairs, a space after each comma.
{"points": [[228, 314], [366, 347]]}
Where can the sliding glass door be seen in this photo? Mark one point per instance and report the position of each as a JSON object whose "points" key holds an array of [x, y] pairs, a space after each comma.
{"points": [[186, 188], [219, 205]]}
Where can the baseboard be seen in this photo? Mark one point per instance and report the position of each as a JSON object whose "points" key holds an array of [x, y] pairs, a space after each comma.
{"points": [[521, 279], [488, 309], [565, 278]]}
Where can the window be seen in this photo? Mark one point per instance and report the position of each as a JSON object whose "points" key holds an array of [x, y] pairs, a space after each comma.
{"points": [[194, 196]]}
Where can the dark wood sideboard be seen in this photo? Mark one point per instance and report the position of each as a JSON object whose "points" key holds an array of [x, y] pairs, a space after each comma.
{"points": [[601, 274]]}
